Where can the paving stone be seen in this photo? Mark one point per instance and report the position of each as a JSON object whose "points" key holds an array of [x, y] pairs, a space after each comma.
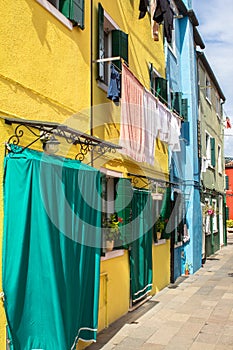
{"points": [[149, 346], [163, 335], [202, 346], [196, 315]]}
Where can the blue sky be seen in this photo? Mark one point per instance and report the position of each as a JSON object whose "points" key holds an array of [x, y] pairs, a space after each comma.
{"points": [[216, 28]]}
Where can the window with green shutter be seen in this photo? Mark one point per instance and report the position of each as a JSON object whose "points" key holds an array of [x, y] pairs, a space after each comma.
{"points": [[100, 41], [120, 46], [161, 89], [72, 9], [185, 132], [176, 105], [112, 42], [184, 108], [212, 144], [226, 182], [227, 213]]}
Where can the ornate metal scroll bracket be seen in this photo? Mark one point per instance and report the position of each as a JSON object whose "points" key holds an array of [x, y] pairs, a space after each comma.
{"points": [[43, 131]]}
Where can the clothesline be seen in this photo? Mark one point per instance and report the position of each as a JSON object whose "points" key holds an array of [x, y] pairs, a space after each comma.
{"points": [[143, 119], [154, 92]]}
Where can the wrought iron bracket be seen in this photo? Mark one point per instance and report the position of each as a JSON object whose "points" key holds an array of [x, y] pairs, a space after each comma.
{"points": [[40, 130]]}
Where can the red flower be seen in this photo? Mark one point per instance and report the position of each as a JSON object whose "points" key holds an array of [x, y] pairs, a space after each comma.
{"points": [[120, 220]]}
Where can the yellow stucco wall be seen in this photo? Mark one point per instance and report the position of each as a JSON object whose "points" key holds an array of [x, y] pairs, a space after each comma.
{"points": [[161, 266]]}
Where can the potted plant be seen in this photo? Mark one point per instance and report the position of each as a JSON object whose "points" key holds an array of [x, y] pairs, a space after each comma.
{"points": [[160, 226], [208, 210], [111, 230], [187, 268], [229, 225]]}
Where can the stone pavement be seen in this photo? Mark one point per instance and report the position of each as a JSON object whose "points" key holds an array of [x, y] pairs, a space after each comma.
{"points": [[195, 314]]}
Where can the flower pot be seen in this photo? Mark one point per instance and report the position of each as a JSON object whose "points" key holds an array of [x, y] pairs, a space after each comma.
{"points": [[157, 196], [109, 245], [186, 272], [159, 234]]}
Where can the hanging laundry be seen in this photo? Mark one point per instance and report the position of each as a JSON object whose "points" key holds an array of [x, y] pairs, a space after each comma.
{"points": [[165, 116], [152, 125], [154, 25], [114, 88], [164, 13], [174, 134], [132, 129], [143, 5], [228, 123]]}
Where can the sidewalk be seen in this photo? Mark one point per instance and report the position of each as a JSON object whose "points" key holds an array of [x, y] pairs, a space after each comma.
{"points": [[195, 314]]}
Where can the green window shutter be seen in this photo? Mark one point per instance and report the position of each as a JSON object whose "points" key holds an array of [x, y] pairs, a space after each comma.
{"points": [[212, 143], [185, 131], [74, 10], [120, 46], [176, 98], [100, 41], [227, 213], [123, 208], [161, 89], [151, 77], [184, 108], [227, 182]]}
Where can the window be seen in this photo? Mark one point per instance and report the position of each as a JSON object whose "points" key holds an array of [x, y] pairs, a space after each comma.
{"points": [[214, 221], [212, 144], [72, 9], [117, 196], [172, 44], [159, 88], [226, 182], [176, 102], [210, 150], [112, 42], [219, 160], [207, 219], [218, 106], [208, 89]]}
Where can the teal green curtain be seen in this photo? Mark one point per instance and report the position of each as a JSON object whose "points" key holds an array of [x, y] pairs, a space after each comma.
{"points": [[165, 212], [141, 246], [51, 250]]}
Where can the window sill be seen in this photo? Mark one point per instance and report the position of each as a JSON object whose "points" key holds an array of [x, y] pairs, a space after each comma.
{"points": [[102, 86], [113, 254], [211, 167], [50, 8], [178, 244], [208, 100], [172, 51], [160, 241]]}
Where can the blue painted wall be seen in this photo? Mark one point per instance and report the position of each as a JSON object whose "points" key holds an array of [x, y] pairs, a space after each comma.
{"points": [[192, 177], [182, 76]]}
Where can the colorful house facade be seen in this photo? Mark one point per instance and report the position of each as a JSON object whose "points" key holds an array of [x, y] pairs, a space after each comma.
{"points": [[229, 188], [185, 232], [56, 93], [211, 124]]}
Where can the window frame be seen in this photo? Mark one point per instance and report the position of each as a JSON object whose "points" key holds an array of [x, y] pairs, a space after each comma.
{"points": [[109, 25], [71, 15], [108, 201], [56, 13], [218, 106], [208, 88], [208, 148], [215, 217], [220, 160]]}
